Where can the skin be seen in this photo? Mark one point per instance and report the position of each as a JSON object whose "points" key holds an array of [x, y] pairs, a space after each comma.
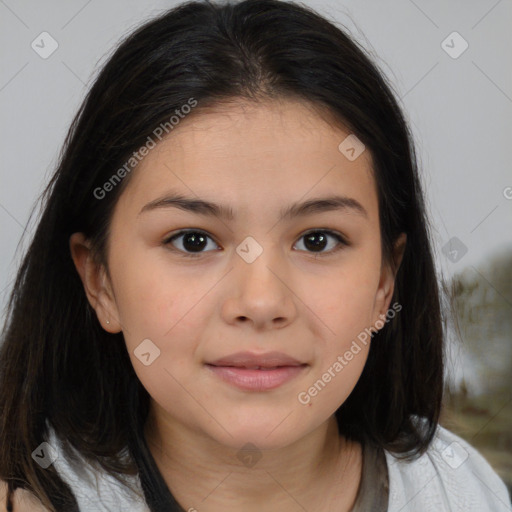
{"points": [[308, 304], [22, 500]]}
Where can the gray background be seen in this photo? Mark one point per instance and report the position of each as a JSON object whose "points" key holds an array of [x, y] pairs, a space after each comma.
{"points": [[460, 109]]}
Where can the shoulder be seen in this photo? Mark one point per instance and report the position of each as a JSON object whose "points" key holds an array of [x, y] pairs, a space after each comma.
{"points": [[93, 488], [450, 476], [23, 500]]}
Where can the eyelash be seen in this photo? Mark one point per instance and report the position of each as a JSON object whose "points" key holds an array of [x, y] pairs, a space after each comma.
{"points": [[168, 242]]}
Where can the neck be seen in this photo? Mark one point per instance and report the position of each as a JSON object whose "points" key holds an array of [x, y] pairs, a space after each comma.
{"points": [[319, 471]]}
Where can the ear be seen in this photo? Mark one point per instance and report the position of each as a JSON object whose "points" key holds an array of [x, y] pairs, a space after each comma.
{"points": [[387, 280], [96, 283]]}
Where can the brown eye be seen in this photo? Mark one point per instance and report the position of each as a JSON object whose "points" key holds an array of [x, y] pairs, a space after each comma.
{"points": [[191, 241], [317, 241]]}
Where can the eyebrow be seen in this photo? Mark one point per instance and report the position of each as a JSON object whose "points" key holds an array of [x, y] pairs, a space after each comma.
{"points": [[207, 208]]}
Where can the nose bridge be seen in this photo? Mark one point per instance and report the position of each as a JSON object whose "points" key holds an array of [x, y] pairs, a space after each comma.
{"points": [[259, 261], [260, 293]]}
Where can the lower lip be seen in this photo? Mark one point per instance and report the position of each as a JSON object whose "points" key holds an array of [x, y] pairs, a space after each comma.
{"points": [[256, 380]]}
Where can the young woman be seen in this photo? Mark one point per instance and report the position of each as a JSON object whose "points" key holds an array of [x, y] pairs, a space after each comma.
{"points": [[230, 300]]}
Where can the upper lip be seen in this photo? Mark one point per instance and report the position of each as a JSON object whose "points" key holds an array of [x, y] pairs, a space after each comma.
{"points": [[251, 360]]}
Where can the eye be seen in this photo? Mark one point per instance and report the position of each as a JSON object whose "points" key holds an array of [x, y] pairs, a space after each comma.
{"points": [[192, 243], [317, 240], [192, 240]]}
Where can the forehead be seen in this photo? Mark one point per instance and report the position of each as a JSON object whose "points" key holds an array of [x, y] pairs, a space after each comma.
{"points": [[254, 154]]}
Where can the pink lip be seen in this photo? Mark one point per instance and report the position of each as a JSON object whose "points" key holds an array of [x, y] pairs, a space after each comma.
{"points": [[257, 372], [256, 380], [250, 359]]}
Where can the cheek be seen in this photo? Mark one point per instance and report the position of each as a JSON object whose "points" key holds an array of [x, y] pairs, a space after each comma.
{"points": [[345, 302], [167, 309], [150, 300], [334, 379]]}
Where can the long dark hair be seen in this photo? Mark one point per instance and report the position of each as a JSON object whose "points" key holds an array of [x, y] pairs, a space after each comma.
{"points": [[59, 367]]}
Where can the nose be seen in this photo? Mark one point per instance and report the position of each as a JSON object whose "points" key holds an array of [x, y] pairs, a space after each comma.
{"points": [[260, 293]]}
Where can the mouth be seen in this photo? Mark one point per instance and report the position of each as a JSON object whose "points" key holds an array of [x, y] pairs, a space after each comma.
{"points": [[265, 368], [252, 372]]}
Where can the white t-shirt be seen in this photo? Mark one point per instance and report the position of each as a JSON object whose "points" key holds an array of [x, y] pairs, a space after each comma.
{"points": [[451, 476]]}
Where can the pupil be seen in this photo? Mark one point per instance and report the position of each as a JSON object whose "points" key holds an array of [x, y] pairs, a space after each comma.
{"points": [[194, 241], [310, 241]]}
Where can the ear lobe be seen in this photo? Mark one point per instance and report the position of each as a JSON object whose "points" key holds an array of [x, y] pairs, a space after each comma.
{"points": [[95, 282]]}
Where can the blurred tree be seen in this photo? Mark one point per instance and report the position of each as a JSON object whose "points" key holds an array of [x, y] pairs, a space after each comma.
{"points": [[478, 406], [482, 301]]}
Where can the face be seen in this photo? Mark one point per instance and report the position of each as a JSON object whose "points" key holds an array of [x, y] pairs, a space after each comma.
{"points": [[188, 288]]}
